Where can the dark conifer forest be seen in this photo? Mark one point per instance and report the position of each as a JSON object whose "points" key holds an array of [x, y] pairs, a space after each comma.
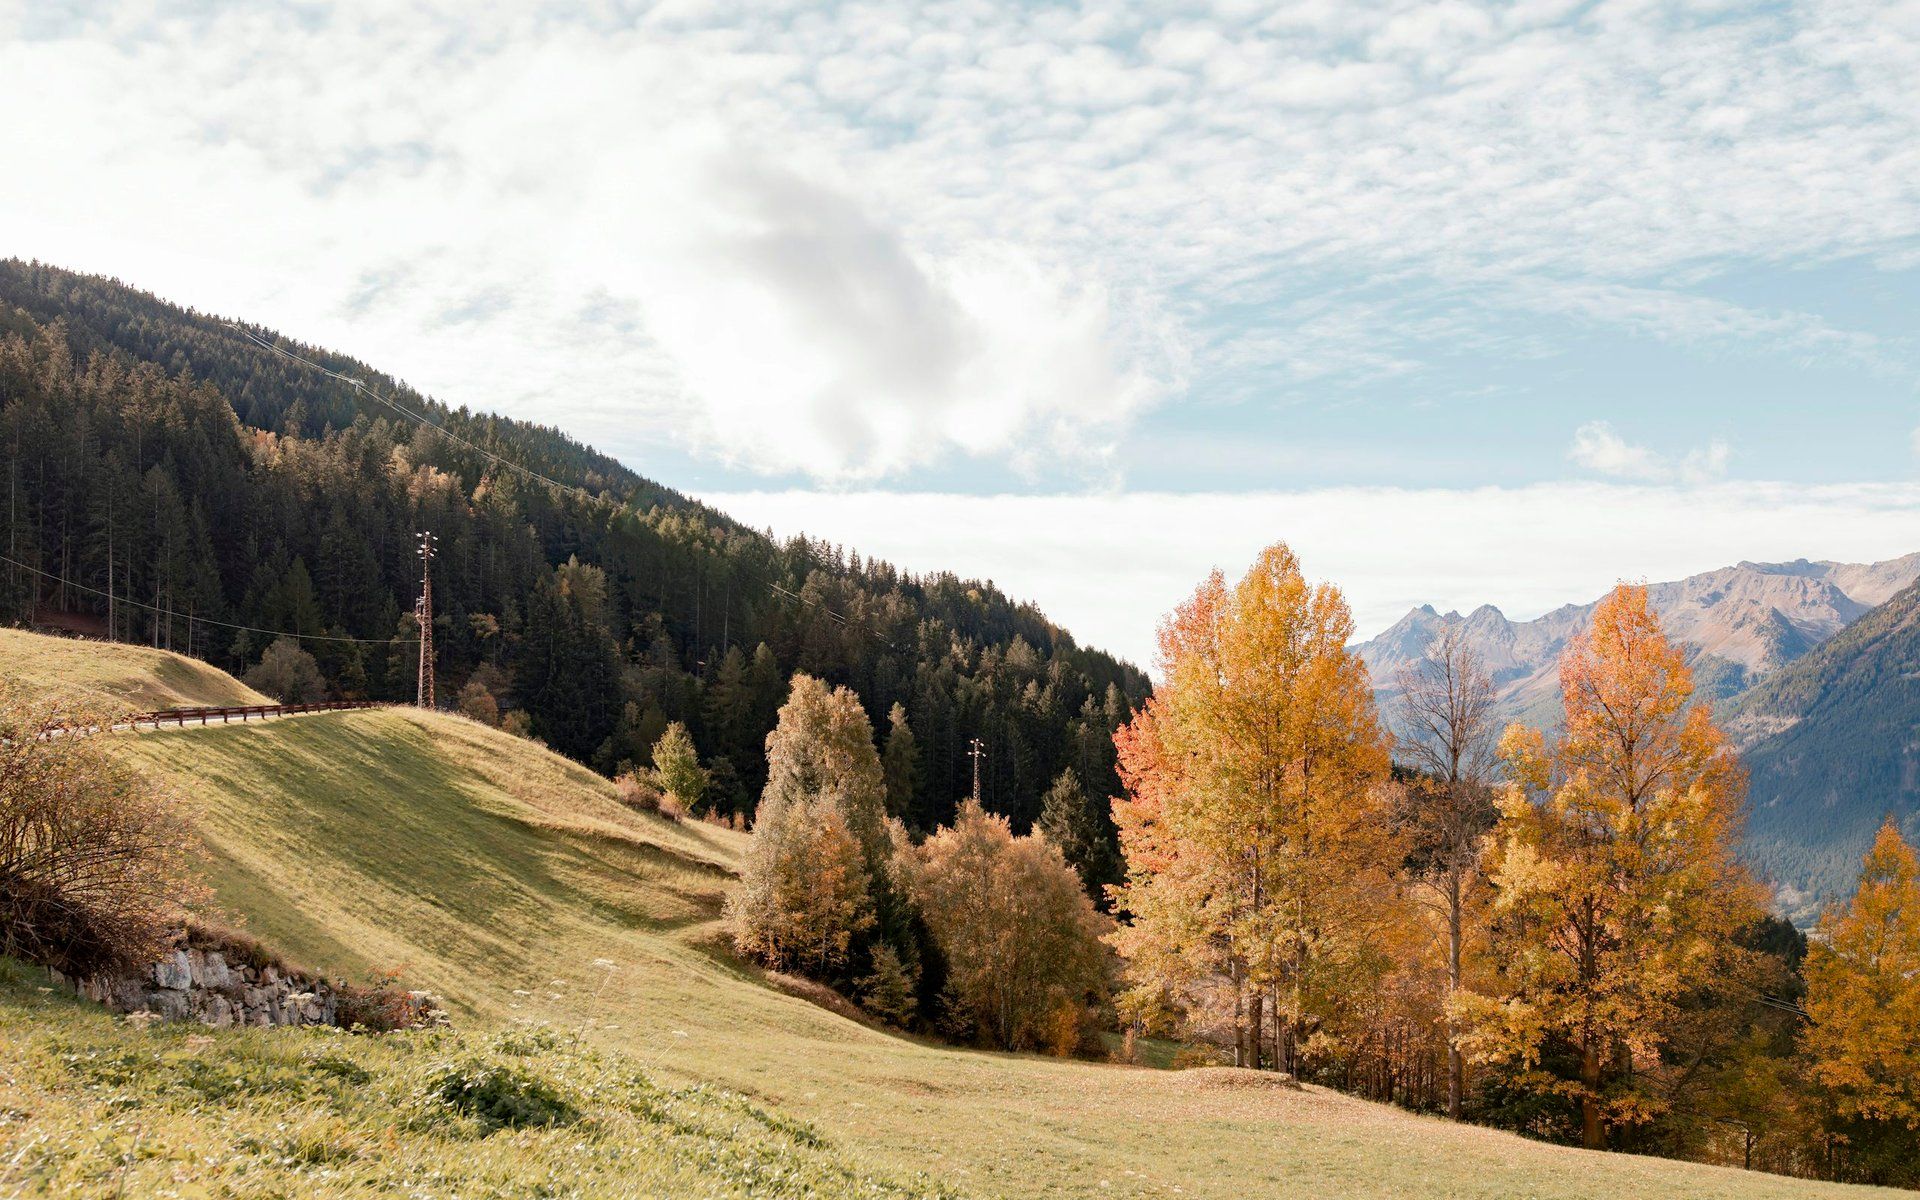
{"points": [[167, 480]]}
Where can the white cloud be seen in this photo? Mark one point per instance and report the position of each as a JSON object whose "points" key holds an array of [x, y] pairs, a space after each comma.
{"points": [[1598, 448], [1109, 568], [973, 231]]}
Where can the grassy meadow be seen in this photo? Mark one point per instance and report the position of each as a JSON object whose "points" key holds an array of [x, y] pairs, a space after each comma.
{"points": [[512, 883], [118, 675]]}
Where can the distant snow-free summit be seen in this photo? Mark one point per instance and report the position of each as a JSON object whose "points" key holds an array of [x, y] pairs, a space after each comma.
{"points": [[1738, 624]]}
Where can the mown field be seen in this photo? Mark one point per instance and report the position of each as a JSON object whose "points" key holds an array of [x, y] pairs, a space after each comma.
{"points": [[512, 883]]}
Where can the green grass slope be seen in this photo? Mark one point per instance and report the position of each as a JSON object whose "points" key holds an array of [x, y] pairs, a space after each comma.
{"points": [[512, 883], [119, 675], [98, 1107]]}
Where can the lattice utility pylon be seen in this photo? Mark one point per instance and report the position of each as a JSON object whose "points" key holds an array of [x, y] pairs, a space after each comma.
{"points": [[978, 750], [423, 613]]}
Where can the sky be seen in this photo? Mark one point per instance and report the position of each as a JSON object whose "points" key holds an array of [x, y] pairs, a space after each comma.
{"points": [[1469, 302]]}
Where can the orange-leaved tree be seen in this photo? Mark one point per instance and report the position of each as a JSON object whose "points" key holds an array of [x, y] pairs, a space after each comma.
{"points": [[1618, 889], [1863, 1000], [1255, 826]]}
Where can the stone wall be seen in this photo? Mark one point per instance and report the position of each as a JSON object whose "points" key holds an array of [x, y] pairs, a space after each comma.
{"points": [[219, 988]]}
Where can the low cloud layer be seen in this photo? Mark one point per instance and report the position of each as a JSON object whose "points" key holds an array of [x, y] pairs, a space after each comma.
{"points": [[1110, 567]]}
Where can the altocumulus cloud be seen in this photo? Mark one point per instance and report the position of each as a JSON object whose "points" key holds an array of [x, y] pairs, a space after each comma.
{"points": [[849, 240]]}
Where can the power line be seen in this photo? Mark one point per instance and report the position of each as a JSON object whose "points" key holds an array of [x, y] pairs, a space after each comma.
{"points": [[191, 619]]}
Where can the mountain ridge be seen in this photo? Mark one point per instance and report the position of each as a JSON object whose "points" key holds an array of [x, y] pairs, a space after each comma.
{"points": [[1832, 747], [1739, 623]]}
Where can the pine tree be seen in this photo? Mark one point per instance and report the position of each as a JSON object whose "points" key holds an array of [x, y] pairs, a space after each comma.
{"points": [[888, 992], [1067, 821], [899, 764]]}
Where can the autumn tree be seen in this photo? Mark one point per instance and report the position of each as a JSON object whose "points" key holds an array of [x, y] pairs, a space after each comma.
{"points": [[1615, 869], [677, 770], [1863, 1004], [803, 894], [818, 872], [1255, 826], [1446, 734], [1019, 935], [477, 703]]}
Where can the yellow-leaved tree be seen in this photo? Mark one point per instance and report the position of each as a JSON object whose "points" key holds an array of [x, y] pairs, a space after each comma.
{"points": [[1618, 889], [1863, 1001], [817, 875], [1258, 842]]}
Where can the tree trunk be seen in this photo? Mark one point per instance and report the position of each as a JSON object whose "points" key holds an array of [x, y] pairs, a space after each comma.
{"points": [[1254, 1025], [1591, 1135], [1456, 1062]]}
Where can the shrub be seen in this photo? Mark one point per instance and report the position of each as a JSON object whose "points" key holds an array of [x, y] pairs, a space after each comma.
{"points": [[382, 1006], [288, 673], [637, 792], [478, 703], [93, 857], [505, 1096], [518, 723]]}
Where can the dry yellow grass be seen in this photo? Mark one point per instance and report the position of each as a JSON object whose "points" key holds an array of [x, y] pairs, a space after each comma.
{"points": [[119, 675], [511, 882]]}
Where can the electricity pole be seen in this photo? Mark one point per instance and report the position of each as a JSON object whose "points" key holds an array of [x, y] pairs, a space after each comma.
{"points": [[423, 613], [977, 751]]}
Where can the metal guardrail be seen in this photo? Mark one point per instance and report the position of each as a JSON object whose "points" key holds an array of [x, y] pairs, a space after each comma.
{"points": [[182, 717]]}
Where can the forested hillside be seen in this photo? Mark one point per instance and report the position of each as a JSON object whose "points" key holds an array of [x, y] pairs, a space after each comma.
{"points": [[1831, 747], [168, 480]]}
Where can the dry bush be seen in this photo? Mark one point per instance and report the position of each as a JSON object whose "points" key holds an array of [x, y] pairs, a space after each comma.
{"points": [[637, 792], [93, 856]]}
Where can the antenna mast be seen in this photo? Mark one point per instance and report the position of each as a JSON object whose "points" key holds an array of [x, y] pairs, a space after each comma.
{"points": [[423, 613], [977, 750]]}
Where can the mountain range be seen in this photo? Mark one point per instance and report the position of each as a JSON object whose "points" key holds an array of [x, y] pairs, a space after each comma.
{"points": [[1832, 747], [1814, 668], [1739, 623]]}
